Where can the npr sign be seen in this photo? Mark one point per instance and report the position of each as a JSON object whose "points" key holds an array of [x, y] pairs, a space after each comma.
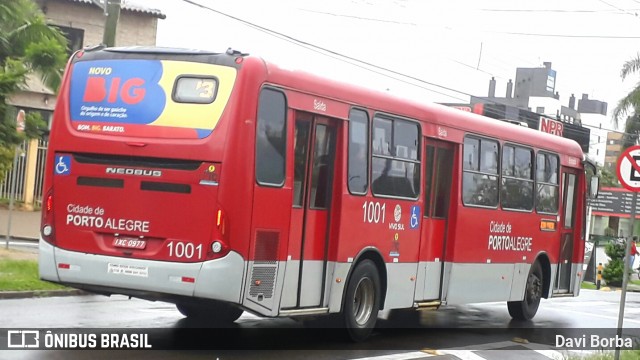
{"points": [[551, 126]]}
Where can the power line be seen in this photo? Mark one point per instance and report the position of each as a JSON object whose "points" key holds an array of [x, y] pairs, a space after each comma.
{"points": [[569, 36], [370, 66], [619, 9], [333, 54], [548, 10]]}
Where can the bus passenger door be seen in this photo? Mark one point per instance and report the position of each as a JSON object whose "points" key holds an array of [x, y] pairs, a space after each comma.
{"points": [[438, 184], [314, 149], [568, 232]]}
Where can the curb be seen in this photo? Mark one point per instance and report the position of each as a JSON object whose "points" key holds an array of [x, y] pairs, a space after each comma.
{"points": [[5, 295], [3, 238]]}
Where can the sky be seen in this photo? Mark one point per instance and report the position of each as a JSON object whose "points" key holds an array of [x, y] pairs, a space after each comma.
{"points": [[424, 50]]}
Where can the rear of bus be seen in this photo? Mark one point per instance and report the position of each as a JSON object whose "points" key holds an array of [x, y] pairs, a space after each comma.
{"points": [[134, 172]]}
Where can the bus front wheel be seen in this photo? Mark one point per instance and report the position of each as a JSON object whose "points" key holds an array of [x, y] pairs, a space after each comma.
{"points": [[362, 301], [213, 312], [527, 308]]}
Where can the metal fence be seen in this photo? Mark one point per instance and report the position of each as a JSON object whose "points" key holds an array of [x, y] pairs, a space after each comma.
{"points": [[14, 182], [40, 164]]}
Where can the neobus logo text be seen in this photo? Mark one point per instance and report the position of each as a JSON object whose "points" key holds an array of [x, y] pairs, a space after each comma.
{"points": [[137, 172]]}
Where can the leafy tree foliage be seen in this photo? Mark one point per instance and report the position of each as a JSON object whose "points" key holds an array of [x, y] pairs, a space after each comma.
{"points": [[608, 178], [28, 45], [614, 270], [632, 100]]}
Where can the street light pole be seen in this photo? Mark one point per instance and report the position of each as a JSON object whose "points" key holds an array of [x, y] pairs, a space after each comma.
{"points": [[12, 193], [112, 7], [112, 12]]}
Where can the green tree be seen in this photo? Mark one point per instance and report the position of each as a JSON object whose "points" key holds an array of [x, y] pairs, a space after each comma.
{"points": [[28, 45], [631, 102], [613, 271]]}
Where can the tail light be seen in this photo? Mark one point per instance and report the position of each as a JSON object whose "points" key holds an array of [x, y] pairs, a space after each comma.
{"points": [[219, 245], [47, 219]]}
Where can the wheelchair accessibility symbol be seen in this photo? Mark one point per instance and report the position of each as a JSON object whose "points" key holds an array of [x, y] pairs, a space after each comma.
{"points": [[63, 165], [414, 220]]}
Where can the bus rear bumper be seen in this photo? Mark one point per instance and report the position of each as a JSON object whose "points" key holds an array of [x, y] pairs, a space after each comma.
{"points": [[219, 279]]}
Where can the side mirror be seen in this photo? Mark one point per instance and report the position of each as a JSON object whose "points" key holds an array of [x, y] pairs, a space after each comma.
{"points": [[594, 187]]}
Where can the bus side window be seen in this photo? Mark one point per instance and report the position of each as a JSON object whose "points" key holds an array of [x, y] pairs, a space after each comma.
{"points": [[358, 156], [271, 138], [480, 172], [395, 163], [517, 178], [547, 183]]}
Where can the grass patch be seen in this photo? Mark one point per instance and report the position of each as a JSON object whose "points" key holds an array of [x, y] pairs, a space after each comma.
{"points": [[588, 285], [608, 355], [22, 275], [634, 282]]}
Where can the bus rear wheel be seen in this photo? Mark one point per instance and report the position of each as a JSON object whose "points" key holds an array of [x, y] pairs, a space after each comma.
{"points": [[527, 308], [362, 301], [210, 312]]}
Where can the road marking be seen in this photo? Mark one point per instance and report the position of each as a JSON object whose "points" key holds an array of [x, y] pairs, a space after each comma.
{"points": [[597, 315], [468, 352], [551, 354], [401, 356], [463, 354]]}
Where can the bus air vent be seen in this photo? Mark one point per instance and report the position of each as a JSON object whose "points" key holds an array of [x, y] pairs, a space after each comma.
{"points": [[265, 266]]}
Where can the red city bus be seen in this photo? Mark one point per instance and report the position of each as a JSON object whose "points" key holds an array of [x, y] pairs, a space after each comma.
{"points": [[223, 183]]}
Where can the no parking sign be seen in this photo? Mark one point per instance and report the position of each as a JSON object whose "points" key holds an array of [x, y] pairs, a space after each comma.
{"points": [[629, 168]]}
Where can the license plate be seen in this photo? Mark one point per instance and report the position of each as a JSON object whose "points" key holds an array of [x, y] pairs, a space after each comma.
{"points": [[129, 243]]}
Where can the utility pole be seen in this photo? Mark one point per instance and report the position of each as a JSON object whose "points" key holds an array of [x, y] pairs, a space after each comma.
{"points": [[112, 12]]}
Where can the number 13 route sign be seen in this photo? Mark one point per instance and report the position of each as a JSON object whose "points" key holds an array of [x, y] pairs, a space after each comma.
{"points": [[629, 168]]}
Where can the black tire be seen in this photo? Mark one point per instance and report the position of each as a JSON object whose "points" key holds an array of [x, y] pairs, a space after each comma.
{"points": [[362, 301], [210, 312], [527, 308]]}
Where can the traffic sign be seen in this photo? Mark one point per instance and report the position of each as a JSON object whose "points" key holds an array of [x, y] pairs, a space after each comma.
{"points": [[629, 168], [20, 121]]}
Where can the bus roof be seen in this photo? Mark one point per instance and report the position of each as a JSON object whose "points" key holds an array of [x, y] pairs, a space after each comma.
{"points": [[424, 111]]}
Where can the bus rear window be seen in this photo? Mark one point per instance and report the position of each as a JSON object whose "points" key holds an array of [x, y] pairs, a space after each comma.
{"points": [[195, 90]]}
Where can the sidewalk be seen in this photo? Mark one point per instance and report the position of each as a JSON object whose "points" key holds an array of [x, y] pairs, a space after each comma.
{"points": [[24, 224]]}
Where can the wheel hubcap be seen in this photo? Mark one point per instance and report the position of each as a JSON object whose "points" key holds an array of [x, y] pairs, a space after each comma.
{"points": [[363, 301], [534, 289]]}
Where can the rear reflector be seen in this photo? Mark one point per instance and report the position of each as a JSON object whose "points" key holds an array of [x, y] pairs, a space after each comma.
{"points": [[64, 266], [184, 279]]}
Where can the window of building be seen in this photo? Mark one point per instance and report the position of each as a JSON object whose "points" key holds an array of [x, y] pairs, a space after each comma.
{"points": [[358, 152], [517, 178], [480, 172], [75, 38], [547, 183], [540, 109], [271, 138], [395, 162]]}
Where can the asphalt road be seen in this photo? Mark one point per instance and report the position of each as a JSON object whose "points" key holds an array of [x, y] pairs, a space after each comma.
{"points": [[466, 332]]}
